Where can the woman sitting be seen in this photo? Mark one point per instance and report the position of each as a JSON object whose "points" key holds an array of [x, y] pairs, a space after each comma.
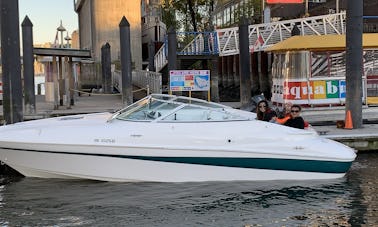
{"points": [[264, 113]]}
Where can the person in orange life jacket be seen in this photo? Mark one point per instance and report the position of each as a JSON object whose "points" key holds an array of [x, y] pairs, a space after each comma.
{"points": [[285, 114], [296, 121], [264, 113]]}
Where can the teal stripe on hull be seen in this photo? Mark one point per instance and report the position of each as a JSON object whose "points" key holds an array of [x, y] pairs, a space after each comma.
{"points": [[252, 163], [258, 163]]}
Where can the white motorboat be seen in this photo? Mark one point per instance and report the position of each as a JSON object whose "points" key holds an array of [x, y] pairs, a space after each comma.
{"points": [[166, 138]]}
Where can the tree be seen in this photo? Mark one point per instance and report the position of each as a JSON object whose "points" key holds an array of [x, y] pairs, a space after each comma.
{"points": [[187, 15]]}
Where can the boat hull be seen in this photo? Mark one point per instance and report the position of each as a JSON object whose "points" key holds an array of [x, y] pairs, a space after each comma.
{"points": [[170, 139], [130, 168]]}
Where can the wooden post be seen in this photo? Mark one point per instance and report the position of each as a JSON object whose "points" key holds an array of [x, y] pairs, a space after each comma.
{"points": [[106, 69], [223, 81], [172, 52], [151, 55], [28, 63], [70, 90], [255, 85], [61, 81], [127, 92], [245, 80], [56, 84], [11, 64], [354, 65], [214, 78]]}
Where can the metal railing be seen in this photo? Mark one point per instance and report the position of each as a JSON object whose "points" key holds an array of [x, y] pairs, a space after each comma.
{"points": [[160, 59], [189, 43], [200, 43], [261, 36], [150, 81]]}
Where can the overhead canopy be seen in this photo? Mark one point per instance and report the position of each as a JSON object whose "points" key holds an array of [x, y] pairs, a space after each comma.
{"points": [[321, 42], [63, 52]]}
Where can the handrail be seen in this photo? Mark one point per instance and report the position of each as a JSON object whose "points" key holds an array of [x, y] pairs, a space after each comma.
{"points": [[203, 43], [160, 59], [225, 41], [151, 81], [262, 36]]}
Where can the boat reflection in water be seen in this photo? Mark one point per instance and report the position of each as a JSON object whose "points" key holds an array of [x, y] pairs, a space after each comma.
{"points": [[167, 138]]}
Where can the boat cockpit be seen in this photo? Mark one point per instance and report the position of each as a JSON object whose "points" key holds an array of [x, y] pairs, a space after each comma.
{"points": [[171, 108]]}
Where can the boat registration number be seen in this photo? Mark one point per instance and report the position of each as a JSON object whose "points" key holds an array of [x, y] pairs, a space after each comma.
{"points": [[104, 140]]}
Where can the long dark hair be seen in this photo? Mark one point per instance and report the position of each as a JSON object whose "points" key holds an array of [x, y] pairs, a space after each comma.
{"points": [[260, 115]]}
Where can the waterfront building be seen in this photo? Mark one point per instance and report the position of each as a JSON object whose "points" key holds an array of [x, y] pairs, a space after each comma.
{"points": [[228, 12], [99, 24]]}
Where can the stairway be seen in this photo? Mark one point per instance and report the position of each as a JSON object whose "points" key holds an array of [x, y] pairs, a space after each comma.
{"points": [[225, 42]]}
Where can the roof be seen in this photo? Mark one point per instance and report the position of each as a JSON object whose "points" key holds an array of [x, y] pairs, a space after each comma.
{"points": [[321, 42], [64, 52]]}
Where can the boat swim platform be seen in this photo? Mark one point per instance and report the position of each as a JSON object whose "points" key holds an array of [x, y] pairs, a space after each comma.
{"points": [[322, 119]]}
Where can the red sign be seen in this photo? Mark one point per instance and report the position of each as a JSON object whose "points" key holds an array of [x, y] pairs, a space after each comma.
{"points": [[283, 1]]}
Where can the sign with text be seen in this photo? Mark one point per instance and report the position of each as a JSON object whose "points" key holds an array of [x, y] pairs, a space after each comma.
{"points": [[327, 91], [319, 89], [189, 80]]}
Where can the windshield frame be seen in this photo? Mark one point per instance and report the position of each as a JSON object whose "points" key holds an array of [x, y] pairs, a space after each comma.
{"points": [[160, 113]]}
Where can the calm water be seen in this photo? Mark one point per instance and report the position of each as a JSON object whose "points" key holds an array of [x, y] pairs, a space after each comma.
{"points": [[351, 201]]}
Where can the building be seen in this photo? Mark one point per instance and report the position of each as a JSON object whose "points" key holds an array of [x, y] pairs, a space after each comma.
{"points": [[75, 44], [153, 29], [228, 12], [99, 24]]}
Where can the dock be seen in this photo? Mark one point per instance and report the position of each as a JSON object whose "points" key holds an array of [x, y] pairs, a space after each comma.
{"points": [[322, 119]]}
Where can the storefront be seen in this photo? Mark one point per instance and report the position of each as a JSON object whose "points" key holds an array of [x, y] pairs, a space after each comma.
{"points": [[310, 70]]}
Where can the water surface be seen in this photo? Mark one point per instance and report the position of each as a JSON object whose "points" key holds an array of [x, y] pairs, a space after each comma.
{"points": [[350, 201]]}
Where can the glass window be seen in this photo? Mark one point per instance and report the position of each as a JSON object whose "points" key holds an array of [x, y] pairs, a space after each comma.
{"points": [[297, 65], [197, 113], [147, 110], [277, 65]]}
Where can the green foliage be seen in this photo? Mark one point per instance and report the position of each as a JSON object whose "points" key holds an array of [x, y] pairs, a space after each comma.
{"points": [[195, 15], [187, 15]]}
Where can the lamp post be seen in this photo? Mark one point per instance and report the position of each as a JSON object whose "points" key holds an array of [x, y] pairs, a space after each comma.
{"points": [[60, 86], [61, 29], [67, 38]]}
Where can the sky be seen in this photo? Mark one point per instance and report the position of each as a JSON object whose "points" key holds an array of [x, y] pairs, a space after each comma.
{"points": [[46, 16]]}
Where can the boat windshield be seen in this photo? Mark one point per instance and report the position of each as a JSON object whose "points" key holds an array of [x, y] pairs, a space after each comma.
{"points": [[176, 108]]}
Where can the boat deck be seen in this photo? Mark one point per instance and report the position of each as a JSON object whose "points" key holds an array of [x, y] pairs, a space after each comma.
{"points": [[323, 119]]}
